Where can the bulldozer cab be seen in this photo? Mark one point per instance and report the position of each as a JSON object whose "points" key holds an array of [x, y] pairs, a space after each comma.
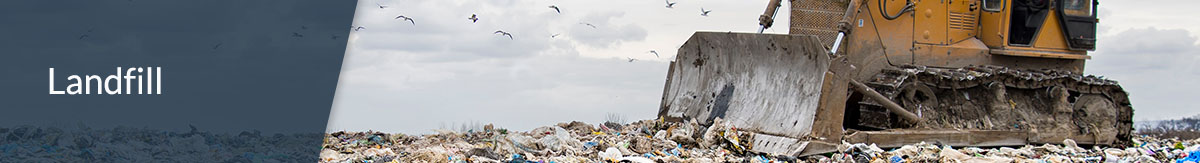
{"points": [[1077, 19], [1039, 28], [1079, 22]]}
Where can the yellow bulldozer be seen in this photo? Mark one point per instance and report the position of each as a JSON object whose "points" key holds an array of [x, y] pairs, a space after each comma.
{"points": [[896, 72]]}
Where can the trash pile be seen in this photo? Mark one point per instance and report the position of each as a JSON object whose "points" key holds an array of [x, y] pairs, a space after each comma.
{"points": [[124, 144], [658, 141], [1145, 150]]}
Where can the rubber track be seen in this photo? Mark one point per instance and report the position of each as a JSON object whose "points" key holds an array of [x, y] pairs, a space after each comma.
{"points": [[975, 76]]}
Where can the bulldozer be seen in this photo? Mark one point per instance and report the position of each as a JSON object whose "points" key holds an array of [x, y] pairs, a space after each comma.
{"points": [[979, 73]]}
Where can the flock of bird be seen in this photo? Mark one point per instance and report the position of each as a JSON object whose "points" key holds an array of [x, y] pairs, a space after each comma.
{"points": [[475, 18]]}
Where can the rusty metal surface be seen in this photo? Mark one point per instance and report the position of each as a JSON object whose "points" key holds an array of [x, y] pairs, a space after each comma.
{"points": [[777, 145], [764, 83], [886, 102], [817, 17]]}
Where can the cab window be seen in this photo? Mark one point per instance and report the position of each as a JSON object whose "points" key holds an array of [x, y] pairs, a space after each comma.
{"points": [[993, 5], [1081, 8]]}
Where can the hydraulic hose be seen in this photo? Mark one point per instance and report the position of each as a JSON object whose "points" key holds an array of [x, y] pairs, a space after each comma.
{"points": [[883, 10]]}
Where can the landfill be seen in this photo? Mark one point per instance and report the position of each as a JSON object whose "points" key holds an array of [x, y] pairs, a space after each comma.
{"points": [[649, 141]]}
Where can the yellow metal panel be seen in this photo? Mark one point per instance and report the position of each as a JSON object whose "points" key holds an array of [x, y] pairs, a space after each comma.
{"points": [[963, 19], [930, 26], [875, 43], [993, 26], [1040, 53], [876, 38], [964, 53], [1051, 36]]}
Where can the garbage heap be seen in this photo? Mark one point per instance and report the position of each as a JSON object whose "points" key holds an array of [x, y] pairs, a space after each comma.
{"points": [[658, 141]]}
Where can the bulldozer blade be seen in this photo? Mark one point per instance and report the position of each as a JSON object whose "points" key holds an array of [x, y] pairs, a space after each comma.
{"points": [[767, 84]]}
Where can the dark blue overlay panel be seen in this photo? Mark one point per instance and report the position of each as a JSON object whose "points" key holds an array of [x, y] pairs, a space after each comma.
{"points": [[240, 80]]}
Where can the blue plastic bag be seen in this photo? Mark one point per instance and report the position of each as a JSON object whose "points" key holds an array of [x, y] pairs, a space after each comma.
{"points": [[1194, 156]]}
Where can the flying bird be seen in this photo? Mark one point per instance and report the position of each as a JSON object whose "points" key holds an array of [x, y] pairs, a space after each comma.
{"points": [[502, 33], [554, 35], [294, 34], [704, 12], [631, 59], [381, 6], [473, 18], [406, 19], [304, 27], [359, 28], [333, 37], [589, 24], [556, 9], [218, 45], [670, 4], [655, 53]]}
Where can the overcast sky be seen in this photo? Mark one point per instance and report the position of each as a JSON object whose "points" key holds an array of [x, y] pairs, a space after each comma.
{"points": [[446, 70]]}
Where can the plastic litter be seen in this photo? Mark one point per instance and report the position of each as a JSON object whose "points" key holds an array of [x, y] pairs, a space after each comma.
{"points": [[635, 160], [1192, 157], [610, 154], [658, 141]]}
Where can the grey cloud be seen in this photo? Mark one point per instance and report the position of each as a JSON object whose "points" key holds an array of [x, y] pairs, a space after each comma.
{"points": [[1103, 26], [404, 78], [518, 93], [606, 34], [1151, 41], [442, 28], [1156, 66], [1146, 49]]}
